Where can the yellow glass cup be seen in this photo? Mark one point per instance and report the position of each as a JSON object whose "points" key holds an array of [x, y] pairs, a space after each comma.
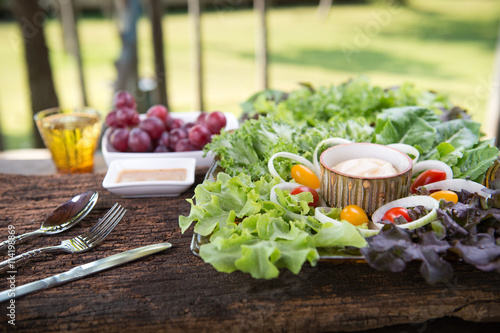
{"points": [[71, 135]]}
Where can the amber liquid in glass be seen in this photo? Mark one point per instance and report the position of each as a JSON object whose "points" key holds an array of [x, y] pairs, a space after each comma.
{"points": [[72, 140]]}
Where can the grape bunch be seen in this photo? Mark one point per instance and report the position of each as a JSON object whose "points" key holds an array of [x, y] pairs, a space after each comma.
{"points": [[158, 132]]}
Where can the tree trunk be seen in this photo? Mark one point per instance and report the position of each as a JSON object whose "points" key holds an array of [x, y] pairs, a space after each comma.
{"points": [[72, 41], [155, 14], [128, 14], [261, 52], [30, 18], [1, 135], [194, 9]]}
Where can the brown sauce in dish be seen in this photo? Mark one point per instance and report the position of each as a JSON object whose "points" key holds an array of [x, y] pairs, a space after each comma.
{"points": [[129, 176]]}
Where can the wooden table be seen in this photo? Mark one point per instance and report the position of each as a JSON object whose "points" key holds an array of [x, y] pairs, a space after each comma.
{"points": [[175, 291], [37, 161]]}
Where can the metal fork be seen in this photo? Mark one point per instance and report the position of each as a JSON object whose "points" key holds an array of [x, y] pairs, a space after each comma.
{"points": [[78, 244]]}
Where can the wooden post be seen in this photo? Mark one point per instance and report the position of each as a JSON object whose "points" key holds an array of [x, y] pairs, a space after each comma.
{"points": [[492, 120], [72, 41], [261, 49], [324, 8], [30, 18], [128, 13], [155, 14], [194, 9], [1, 135]]}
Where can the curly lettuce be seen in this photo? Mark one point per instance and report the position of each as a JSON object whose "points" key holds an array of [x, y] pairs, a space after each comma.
{"points": [[251, 234], [296, 122]]}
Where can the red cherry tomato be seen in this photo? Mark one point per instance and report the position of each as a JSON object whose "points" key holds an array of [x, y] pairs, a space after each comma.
{"points": [[392, 213], [301, 189], [427, 177]]}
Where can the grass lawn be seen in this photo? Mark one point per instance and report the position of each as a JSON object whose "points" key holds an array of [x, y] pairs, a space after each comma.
{"points": [[445, 45]]}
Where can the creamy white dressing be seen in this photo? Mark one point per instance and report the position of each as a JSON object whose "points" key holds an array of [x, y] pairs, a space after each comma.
{"points": [[366, 167]]}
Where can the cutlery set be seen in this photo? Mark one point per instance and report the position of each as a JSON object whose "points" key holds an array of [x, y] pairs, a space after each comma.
{"points": [[77, 244], [62, 218]]}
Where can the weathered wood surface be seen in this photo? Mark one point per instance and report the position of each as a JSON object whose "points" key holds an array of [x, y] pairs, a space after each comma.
{"points": [[174, 291]]}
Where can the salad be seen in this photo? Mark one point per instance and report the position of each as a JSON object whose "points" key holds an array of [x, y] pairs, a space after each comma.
{"points": [[258, 224]]}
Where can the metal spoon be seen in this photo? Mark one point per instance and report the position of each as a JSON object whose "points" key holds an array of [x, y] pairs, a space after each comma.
{"points": [[62, 218]]}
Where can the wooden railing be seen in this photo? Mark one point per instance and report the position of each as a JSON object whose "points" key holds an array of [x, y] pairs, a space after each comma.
{"points": [[43, 93]]}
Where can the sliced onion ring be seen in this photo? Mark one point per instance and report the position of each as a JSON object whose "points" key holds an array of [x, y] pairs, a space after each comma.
{"points": [[408, 202], [458, 185], [433, 164], [295, 157], [407, 149], [330, 141], [290, 187], [320, 216]]}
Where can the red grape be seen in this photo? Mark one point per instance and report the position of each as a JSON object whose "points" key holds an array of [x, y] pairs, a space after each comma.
{"points": [[123, 99], [111, 119], [153, 125], [162, 149], [176, 123], [127, 117], [164, 139], [184, 145], [119, 139], [215, 121], [139, 140], [175, 135], [168, 121], [199, 136], [201, 118], [159, 111], [189, 125]]}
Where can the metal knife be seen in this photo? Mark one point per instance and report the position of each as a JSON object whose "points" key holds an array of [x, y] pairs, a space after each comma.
{"points": [[83, 270]]}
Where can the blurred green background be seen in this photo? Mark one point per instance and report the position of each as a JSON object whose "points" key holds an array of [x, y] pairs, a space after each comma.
{"points": [[443, 45]]}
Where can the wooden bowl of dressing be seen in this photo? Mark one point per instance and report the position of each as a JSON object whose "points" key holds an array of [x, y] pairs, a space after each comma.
{"points": [[364, 174]]}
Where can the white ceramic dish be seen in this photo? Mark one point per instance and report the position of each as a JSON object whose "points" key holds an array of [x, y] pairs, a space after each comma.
{"points": [[110, 154], [141, 189]]}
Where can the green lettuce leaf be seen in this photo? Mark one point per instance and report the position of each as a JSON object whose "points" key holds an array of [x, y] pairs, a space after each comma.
{"points": [[344, 235], [298, 204], [459, 133], [247, 232], [474, 162], [224, 250], [208, 215], [220, 202], [446, 153], [411, 125], [278, 244]]}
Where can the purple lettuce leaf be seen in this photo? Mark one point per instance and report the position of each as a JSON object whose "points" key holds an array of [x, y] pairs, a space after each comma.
{"points": [[393, 247], [468, 230], [480, 250]]}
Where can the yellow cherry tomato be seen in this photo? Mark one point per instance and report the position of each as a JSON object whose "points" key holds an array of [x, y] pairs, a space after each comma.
{"points": [[354, 215], [304, 176], [445, 195]]}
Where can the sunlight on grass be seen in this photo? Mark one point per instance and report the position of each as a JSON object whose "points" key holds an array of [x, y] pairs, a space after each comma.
{"points": [[443, 45]]}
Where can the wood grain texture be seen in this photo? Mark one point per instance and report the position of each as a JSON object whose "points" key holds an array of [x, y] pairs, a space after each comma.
{"points": [[174, 291]]}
